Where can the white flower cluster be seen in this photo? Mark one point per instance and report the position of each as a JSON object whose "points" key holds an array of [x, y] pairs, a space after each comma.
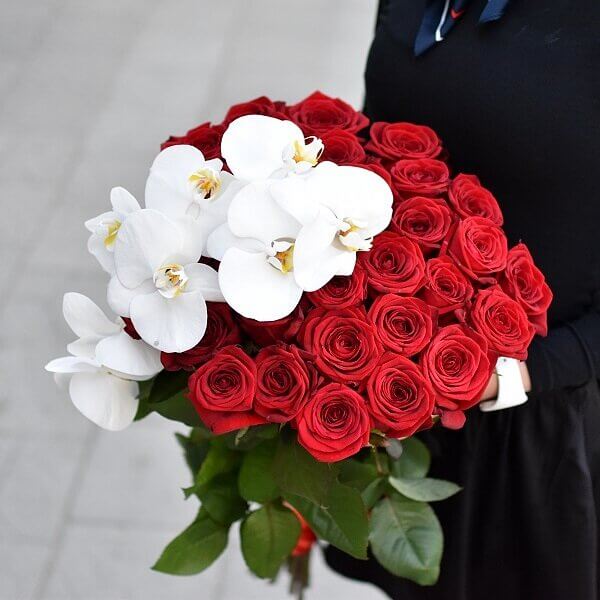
{"points": [[279, 222]]}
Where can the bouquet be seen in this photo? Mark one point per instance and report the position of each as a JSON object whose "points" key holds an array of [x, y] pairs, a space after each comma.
{"points": [[306, 291]]}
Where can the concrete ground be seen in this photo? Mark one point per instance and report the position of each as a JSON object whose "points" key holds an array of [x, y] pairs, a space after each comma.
{"points": [[88, 90]]}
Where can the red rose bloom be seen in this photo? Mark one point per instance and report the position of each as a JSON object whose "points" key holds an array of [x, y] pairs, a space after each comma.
{"points": [[457, 365], [341, 291], [420, 177], [221, 330], [318, 114], [372, 164], [283, 383], [400, 400], [222, 391], [265, 333], [258, 106], [470, 199], [424, 220], [404, 325], [526, 284], [342, 148], [205, 137], [334, 424], [343, 342], [479, 247], [502, 322], [446, 287], [394, 264], [403, 140]]}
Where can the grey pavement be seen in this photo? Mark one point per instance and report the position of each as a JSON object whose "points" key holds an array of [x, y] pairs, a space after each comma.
{"points": [[88, 90]]}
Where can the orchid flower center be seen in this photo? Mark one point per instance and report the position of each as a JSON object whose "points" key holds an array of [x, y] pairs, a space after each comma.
{"points": [[170, 280], [206, 183], [111, 229], [353, 236], [281, 255], [305, 151]]}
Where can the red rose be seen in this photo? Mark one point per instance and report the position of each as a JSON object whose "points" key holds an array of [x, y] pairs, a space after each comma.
{"points": [[404, 325], [343, 342], [502, 322], [400, 400], [470, 199], [457, 365], [318, 114], [526, 284], [373, 165], [394, 264], [420, 177], [424, 220], [403, 140], [283, 383], [265, 333], [258, 106], [221, 330], [130, 329], [446, 287], [205, 137], [341, 291], [334, 424], [479, 247], [342, 148], [222, 391]]}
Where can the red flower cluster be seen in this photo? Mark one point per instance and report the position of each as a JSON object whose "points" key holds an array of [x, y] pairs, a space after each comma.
{"points": [[412, 334]]}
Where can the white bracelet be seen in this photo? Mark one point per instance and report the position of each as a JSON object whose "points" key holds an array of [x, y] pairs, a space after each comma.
{"points": [[511, 391]]}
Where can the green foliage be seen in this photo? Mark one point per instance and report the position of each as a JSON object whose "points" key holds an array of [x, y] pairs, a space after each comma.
{"points": [[414, 461], [256, 482], [268, 536], [221, 499], [424, 489]]}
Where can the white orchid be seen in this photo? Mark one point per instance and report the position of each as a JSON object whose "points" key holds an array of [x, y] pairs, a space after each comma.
{"points": [[158, 281], [341, 209], [182, 182], [105, 227], [256, 248], [257, 147], [105, 364]]}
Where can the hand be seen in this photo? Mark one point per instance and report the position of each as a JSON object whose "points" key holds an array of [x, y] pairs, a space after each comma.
{"points": [[491, 391]]}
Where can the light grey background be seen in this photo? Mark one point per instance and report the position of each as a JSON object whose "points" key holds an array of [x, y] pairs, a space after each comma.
{"points": [[88, 90]]}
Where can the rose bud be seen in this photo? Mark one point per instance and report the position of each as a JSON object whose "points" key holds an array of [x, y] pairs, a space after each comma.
{"points": [[446, 286], [343, 343], [420, 177], [318, 114], [222, 391], [342, 148], [404, 325], [205, 137], [526, 284], [221, 331], [400, 399], [403, 140], [423, 220], [503, 322], [394, 264], [258, 106], [342, 291], [479, 247], [334, 424], [283, 383], [470, 199]]}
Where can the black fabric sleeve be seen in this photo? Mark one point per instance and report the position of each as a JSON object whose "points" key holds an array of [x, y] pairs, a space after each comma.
{"points": [[568, 357]]}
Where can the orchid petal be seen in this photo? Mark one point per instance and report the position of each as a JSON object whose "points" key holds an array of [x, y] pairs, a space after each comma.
{"points": [[122, 354], [293, 195], [119, 297], [204, 279], [98, 249], [72, 364], [221, 239], [192, 240], [123, 202], [85, 317]]}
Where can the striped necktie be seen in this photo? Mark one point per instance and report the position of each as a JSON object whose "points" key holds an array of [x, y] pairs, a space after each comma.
{"points": [[441, 15]]}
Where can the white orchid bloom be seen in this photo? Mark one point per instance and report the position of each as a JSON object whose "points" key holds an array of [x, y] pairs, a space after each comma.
{"points": [[104, 364], [256, 249], [257, 147], [341, 209], [158, 281], [105, 227], [182, 182]]}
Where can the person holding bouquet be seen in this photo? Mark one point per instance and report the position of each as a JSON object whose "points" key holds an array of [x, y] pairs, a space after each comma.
{"points": [[513, 89]]}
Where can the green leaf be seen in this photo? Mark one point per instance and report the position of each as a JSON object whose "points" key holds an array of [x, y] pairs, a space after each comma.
{"points": [[248, 438], [424, 489], [194, 549], [341, 520], [167, 384], [407, 539], [414, 461], [219, 459], [357, 474], [194, 451], [178, 408], [256, 482], [221, 500], [143, 407], [297, 472], [374, 491], [268, 537]]}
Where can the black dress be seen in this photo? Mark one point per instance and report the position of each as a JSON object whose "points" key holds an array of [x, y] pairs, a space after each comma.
{"points": [[517, 102]]}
